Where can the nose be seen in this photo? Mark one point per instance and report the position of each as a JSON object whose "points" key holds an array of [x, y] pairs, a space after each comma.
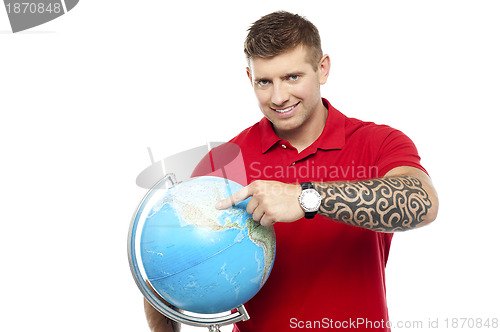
{"points": [[280, 94]]}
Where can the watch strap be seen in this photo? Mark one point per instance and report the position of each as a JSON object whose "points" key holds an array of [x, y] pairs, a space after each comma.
{"points": [[306, 185]]}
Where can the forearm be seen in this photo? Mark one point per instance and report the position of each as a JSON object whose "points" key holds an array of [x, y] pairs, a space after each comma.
{"points": [[390, 204], [158, 322]]}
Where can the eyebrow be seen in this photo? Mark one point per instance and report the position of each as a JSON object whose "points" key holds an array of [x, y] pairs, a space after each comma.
{"points": [[297, 73]]}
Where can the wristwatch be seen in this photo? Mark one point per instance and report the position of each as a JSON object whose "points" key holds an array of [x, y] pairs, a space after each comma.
{"points": [[309, 200]]}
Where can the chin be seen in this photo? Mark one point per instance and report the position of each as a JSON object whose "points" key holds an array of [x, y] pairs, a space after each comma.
{"points": [[284, 127]]}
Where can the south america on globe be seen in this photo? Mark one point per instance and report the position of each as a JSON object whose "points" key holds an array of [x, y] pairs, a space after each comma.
{"points": [[197, 257]]}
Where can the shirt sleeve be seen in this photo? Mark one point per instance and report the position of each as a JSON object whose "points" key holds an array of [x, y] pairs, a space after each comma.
{"points": [[396, 150]]}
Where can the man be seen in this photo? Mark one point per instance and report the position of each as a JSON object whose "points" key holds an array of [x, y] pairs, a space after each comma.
{"points": [[335, 189]]}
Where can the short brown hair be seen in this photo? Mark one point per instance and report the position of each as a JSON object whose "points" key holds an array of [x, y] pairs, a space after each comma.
{"points": [[279, 32]]}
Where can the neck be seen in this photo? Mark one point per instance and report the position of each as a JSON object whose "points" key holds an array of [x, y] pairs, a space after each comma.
{"points": [[309, 132]]}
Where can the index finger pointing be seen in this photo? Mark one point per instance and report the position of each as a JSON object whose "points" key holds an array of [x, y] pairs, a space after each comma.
{"points": [[237, 197]]}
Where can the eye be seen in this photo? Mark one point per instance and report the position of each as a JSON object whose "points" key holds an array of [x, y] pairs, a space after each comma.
{"points": [[263, 82], [293, 77]]}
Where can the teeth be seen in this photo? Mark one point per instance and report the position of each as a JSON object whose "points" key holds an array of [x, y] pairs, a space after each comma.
{"points": [[285, 110]]}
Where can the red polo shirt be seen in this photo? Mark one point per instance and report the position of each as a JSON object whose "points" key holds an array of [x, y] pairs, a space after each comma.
{"points": [[326, 274]]}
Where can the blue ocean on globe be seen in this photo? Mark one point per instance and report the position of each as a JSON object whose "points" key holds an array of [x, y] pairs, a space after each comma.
{"points": [[197, 257]]}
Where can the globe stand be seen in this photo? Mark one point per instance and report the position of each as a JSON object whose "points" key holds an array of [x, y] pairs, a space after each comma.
{"points": [[212, 323], [214, 328]]}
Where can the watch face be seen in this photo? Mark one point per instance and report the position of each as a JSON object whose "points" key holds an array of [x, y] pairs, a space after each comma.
{"points": [[310, 200]]}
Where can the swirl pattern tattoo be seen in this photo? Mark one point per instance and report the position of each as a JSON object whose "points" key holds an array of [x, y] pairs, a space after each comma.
{"points": [[389, 204]]}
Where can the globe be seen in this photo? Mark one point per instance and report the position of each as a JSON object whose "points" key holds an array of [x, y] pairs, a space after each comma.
{"points": [[197, 257]]}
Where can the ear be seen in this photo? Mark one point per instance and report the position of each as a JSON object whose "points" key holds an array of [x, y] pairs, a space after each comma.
{"points": [[324, 69], [249, 74]]}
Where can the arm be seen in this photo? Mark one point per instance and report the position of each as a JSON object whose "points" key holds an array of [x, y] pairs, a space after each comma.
{"points": [[158, 322], [402, 200]]}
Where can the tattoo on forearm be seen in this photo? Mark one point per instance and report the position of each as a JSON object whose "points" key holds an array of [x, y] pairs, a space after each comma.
{"points": [[385, 205]]}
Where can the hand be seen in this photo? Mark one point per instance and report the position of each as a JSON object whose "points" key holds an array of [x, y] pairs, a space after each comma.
{"points": [[271, 201]]}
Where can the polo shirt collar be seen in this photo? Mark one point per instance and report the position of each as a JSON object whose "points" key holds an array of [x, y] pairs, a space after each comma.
{"points": [[267, 135], [332, 137]]}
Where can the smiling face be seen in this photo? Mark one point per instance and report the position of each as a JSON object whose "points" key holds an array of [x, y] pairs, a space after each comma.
{"points": [[287, 88]]}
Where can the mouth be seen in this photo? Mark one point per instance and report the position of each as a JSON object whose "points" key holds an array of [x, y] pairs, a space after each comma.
{"points": [[285, 110]]}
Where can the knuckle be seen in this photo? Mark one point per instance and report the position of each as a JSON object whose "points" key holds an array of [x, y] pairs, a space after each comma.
{"points": [[270, 212], [256, 184]]}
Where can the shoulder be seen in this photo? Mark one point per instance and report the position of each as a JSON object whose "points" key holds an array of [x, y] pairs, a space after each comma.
{"points": [[364, 130], [384, 143]]}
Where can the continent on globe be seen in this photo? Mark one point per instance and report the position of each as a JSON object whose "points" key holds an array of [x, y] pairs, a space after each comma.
{"points": [[261, 236], [197, 257]]}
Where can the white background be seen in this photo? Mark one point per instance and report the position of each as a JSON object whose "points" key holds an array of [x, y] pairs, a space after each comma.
{"points": [[83, 96]]}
